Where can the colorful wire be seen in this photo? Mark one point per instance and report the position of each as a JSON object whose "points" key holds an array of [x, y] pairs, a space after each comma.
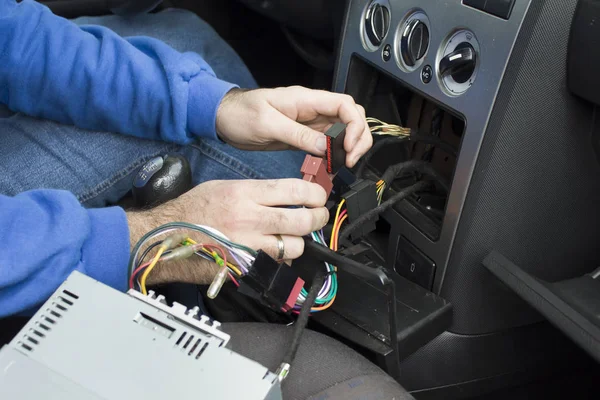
{"points": [[150, 267]]}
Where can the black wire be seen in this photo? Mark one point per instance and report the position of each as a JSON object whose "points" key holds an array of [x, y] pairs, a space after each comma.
{"points": [[146, 252], [395, 198], [395, 171], [374, 149], [302, 320], [414, 137], [434, 141]]}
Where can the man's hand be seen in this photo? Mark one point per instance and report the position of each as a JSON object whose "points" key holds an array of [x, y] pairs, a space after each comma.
{"points": [[248, 212], [292, 117]]}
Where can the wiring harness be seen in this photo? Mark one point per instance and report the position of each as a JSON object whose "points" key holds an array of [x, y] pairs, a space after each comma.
{"points": [[173, 242], [233, 259]]}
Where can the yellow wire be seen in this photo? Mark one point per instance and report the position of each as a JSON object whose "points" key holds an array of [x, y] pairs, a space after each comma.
{"points": [[230, 265], [159, 253], [335, 221], [206, 251]]}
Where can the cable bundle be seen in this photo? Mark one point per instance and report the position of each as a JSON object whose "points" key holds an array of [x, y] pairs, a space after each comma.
{"points": [[233, 258], [328, 291], [383, 128]]}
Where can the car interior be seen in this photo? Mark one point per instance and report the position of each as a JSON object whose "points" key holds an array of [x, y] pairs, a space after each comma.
{"points": [[484, 282]]}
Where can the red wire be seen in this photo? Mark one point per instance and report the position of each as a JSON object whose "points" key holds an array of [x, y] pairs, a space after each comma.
{"points": [[233, 279], [224, 257], [138, 269], [220, 249]]}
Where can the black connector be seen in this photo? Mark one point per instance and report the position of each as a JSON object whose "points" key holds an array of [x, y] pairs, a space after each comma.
{"points": [[360, 199], [335, 155], [275, 285]]}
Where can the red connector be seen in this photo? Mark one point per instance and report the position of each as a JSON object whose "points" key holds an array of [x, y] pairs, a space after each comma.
{"points": [[314, 170], [291, 301]]}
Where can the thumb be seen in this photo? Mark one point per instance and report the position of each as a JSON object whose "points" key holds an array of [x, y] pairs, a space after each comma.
{"points": [[299, 136]]}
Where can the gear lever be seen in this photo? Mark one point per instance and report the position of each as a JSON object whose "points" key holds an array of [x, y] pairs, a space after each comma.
{"points": [[161, 179]]}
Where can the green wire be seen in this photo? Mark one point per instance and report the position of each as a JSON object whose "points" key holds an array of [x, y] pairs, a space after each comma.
{"points": [[333, 290]]}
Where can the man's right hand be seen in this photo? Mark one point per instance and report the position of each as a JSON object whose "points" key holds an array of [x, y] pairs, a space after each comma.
{"points": [[249, 212]]}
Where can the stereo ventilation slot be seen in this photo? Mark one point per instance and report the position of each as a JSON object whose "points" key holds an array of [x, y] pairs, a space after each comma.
{"points": [[204, 346], [71, 294], [188, 342], [65, 300], [43, 325], [180, 338], [25, 346], [194, 347], [38, 333]]}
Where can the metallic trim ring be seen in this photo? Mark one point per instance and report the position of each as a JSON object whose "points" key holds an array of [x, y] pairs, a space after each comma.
{"points": [[280, 247]]}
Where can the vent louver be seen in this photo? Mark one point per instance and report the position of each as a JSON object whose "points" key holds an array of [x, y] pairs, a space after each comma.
{"points": [[57, 308]]}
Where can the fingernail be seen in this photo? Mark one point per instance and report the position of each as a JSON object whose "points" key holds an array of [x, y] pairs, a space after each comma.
{"points": [[322, 144]]}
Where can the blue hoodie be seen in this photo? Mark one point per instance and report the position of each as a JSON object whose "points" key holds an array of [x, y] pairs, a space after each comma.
{"points": [[88, 77]]}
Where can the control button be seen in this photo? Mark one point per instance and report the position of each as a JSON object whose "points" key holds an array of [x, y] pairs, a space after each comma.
{"points": [[478, 4], [377, 23], [426, 74], [499, 8], [415, 42], [387, 52], [414, 265], [460, 64]]}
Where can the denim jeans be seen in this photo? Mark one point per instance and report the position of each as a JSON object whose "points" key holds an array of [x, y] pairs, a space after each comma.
{"points": [[98, 167]]}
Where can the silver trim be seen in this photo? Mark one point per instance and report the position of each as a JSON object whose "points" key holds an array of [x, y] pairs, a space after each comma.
{"points": [[496, 38], [366, 42], [448, 84]]}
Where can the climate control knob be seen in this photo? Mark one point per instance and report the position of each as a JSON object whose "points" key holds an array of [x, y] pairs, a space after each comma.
{"points": [[458, 62], [377, 23], [414, 42]]}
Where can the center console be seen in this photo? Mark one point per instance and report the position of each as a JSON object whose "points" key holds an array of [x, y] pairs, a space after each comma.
{"points": [[412, 62], [518, 175]]}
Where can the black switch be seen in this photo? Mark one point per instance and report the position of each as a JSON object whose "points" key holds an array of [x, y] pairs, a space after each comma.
{"points": [[499, 8], [415, 266], [478, 4]]}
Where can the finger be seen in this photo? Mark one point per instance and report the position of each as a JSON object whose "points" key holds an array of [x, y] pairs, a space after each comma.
{"points": [[296, 221], [283, 129], [306, 104], [285, 192], [293, 246], [365, 143]]}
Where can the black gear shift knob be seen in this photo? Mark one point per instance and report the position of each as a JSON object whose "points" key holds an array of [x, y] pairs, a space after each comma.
{"points": [[161, 179]]}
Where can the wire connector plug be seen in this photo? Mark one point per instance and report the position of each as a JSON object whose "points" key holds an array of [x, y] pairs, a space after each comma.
{"points": [[314, 170], [360, 199], [273, 284], [336, 154], [283, 371]]}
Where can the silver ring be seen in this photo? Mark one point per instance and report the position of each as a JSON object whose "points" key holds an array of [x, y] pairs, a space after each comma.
{"points": [[280, 247]]}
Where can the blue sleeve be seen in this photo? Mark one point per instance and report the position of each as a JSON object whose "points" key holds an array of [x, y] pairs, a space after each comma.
{"points": [[47, 234], [94, 79]]}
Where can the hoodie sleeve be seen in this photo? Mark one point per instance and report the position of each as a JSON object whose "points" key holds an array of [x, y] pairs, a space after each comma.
{"points": [[46, 235], [92, 78]]}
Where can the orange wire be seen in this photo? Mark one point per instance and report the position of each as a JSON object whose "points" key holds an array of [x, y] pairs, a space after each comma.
{"points": [[337, 232], [326, 306]]}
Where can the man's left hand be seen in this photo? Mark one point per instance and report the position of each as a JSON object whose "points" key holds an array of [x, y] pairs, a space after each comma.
{"points": [[292, 117]]}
